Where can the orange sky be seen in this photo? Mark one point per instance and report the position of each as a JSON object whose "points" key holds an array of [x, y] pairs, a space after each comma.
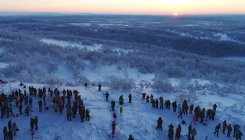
{"points": [[126, 6]]}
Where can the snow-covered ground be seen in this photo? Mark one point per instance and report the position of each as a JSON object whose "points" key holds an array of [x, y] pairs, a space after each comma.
{"points": [[138, 118], [235, 58]]}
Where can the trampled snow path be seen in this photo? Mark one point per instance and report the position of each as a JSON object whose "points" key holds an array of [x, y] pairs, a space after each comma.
{"points": [[138, 118]]}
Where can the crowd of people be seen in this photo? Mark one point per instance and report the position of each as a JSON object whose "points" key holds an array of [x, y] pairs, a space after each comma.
{"points": [[197, 114], [73, 103]]}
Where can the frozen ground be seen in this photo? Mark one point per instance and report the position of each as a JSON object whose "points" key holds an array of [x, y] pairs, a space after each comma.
{"points": [[138, 118]]}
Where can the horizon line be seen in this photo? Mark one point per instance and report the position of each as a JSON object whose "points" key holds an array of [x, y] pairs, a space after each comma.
{"points": [[133, 14]]}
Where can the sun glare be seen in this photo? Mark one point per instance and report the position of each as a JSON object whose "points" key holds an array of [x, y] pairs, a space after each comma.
{"points": [[176, 14]]}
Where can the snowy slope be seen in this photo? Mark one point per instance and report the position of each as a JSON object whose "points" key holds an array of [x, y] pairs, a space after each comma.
{"points": [[138, 118]]}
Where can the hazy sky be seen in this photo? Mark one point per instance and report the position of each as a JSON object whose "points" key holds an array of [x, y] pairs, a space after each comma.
{"points": [[126, 6]]}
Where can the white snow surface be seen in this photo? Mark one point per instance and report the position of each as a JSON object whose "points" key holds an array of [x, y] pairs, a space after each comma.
{"points": [[138, 118], [70, 44]]}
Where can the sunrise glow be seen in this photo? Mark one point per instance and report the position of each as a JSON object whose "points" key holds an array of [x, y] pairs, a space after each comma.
{"points": [[159, 7]]}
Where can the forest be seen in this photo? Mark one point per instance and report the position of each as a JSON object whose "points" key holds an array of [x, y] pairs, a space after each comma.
{"points": [[185, 47]]}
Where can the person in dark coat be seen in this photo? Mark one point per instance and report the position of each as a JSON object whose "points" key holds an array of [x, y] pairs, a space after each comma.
{"points": [[217, 128], [106, 96], [113, 103], [212, 114], [5, 133], [147, 98], [9, 125], [159, 123], [129, 98], [130, 137], [239, 135], [69, 113], [10, 135], [189, 130], [193, 133], [32, 123], [161, 102], [229, 129], [236, 128], [40, 105], [87, 115], [174, 105], [74, 110], [214, 107], [156, 103], [170, 131], [82, 112], [191, 108], [20, 108], [36, 122], [99, 87]]}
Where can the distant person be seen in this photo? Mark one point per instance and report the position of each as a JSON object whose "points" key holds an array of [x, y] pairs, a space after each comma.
{"points": [[159, 123], [217, 128], [129, 98], [99, 87], [193, 133], [113, 127], [130, 137]]}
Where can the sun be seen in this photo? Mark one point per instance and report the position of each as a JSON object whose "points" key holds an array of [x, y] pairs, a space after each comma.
{"points": [[176, 14]]}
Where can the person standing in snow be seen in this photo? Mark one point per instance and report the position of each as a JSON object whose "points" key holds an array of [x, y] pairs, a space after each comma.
{"points": [[159, 123], [161, 102], [121, 110], [114, 116], [147, 98], [10, 135], [74, 109], [239, 135], [174, 105], [30, 102], [217, 128], [156, 103], [20, 108], [129, 98], [5, 133], [130, 137], [47, 105], [180, 114], [178, 130], [106, 96], [214, 107], [82, 112], [143, 96], [229, 129], [113, 126], [36, 122], [87, 115], [69, 113], [189, 130], [194, 119], [191, 108], [99, 87], [170, 131], [32, 123], [153, 105], [14, 128], [40, 105], [224, 126], [9, 125], [27, 110], [193, 133], [236, 128]]}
